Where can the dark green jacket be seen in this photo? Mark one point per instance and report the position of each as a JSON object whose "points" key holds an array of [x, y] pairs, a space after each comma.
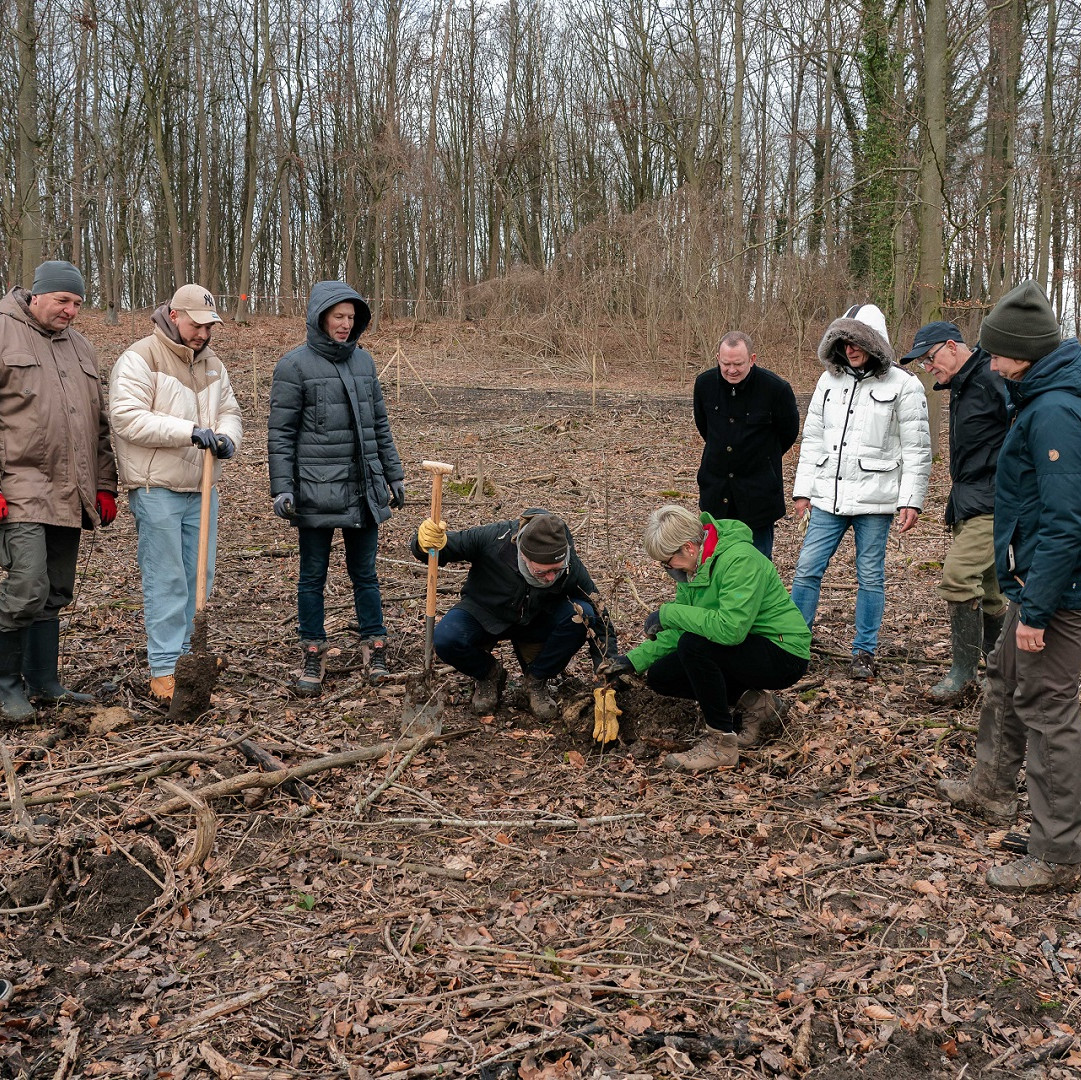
{"points": [[1038, 489], [735, 592]]}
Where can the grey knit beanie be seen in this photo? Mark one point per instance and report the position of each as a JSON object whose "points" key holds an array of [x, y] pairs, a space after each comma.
{"points": [[58, 276], [1021, 326], [544, 539]]}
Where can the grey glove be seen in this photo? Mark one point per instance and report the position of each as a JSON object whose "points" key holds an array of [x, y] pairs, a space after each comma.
{"points": [[205, 439], [284, 506], [226, 447], [397, 494]]}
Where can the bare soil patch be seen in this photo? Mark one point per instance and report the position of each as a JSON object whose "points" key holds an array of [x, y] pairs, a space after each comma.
{"points": [[512, 902]]}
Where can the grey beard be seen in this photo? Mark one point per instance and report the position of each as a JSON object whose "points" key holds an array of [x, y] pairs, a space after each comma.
{"points": [[536, 582], [677, 575]]}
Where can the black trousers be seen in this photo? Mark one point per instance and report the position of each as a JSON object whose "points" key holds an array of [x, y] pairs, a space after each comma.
{"points": [[717, 676]]}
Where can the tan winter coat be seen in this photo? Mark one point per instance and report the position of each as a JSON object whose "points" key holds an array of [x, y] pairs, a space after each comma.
{"points": [[54, 432], [159, 391]]}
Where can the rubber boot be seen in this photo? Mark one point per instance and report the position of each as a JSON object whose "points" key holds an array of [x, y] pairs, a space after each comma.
{"points": [[966, 636], [992, 628], [14, 705], [41, 658]]}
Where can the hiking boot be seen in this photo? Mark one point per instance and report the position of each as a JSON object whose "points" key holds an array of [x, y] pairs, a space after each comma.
{"points": [[966, 639], [1032, 875], [488, 691], [862, 666], [377, 661], [14, 705], [310, 683], [541, 703], [718, 750], [41, 659], [967, 795], [757, 708], [163, 687]]}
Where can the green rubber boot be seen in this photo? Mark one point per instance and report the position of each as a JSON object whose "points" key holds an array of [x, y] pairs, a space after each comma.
{"points": [[41, 660], [966, 633]]}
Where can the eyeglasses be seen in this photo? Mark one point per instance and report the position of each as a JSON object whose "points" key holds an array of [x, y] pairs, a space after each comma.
{"points": [[928, 358], [667, 564]]}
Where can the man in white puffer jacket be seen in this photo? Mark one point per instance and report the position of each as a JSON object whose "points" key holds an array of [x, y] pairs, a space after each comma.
{"points": [[170, 402], [865, 456]]}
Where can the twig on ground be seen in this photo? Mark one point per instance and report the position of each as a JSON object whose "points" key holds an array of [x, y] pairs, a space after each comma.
{"points": [[393, 864]]}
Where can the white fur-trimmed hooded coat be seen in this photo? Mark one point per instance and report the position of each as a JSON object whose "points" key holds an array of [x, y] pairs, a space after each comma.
{"points": [[866, 445]]}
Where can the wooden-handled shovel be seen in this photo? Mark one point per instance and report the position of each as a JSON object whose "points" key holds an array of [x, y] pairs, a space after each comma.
{"points": [[197, 671], [423, 706]]}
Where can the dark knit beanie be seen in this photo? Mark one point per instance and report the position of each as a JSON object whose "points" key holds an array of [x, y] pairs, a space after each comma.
{"points": [[1021, 326], [58, 276], [544, 539]]}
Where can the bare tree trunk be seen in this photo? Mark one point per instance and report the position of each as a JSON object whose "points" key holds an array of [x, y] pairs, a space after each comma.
{"points": [[27, 195], [1047, 165]]}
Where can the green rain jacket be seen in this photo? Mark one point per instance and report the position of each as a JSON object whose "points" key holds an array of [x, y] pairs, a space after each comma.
{"points": [[736, 591]]}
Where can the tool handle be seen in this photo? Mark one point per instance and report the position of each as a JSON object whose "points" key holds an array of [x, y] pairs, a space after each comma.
{"points": [[438, 469], [206, 486]]}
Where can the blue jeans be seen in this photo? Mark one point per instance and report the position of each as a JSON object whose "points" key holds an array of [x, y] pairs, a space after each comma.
{"points": [[824, 534], [168, 526], [462, 642], [360, 548]]}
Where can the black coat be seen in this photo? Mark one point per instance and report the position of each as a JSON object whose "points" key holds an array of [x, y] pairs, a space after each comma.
{"points": [[496, 594], [978, 425], [747, 428], [329, 438]]}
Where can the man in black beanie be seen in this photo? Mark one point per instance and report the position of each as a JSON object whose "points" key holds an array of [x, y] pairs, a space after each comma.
{"points": [[525, 585], [58, 477], [1030, 712]]}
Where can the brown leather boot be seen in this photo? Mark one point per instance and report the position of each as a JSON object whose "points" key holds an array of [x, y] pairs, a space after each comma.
{"points": [[758, 710], [974, 795], [718, 750], [1032, 875]]}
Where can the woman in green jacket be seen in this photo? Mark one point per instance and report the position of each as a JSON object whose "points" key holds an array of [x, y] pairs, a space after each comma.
{"points": [[731, 635]]}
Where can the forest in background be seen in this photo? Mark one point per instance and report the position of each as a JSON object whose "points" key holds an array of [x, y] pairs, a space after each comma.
{"points": [[611, 164]]}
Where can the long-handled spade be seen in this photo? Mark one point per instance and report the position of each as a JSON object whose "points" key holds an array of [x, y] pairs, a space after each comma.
{"points": [[197, 671], [424, 706]]}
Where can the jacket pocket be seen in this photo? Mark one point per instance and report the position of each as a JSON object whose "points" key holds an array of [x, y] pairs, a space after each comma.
{"points": [[822, 480], [879, 418], [323, 489], [879, 480]]}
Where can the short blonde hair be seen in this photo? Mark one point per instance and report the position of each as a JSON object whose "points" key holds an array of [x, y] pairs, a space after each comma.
{"points": [[668, 529]]}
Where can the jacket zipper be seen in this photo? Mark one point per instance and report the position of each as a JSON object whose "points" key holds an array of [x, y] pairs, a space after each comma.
{"points": [[844, 431]]}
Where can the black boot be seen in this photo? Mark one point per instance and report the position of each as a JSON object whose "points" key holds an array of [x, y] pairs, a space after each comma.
{"points": [[41, 657], [13, 703]]}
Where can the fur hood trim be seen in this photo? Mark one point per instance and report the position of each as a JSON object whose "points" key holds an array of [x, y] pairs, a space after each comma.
{"points": [[863, 325]]}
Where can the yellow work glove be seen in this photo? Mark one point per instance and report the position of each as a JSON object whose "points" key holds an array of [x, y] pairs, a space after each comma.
{"points": [[430, 535], [606, 714]]}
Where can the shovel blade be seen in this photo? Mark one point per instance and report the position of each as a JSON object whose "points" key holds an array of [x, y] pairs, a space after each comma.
{"points": [[196, 676], [422, 709]]}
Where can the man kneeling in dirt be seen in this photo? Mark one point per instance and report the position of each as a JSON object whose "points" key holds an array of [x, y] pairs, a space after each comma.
{"points": [[527, 585]]}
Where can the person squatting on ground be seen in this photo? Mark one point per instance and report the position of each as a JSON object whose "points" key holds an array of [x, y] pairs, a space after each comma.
{"points": [[333, 465], [730, 635], [749, 419], [865, 456], [57, 476], [170, 402], [1030, 709], [525, 585], [977, 427]]}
